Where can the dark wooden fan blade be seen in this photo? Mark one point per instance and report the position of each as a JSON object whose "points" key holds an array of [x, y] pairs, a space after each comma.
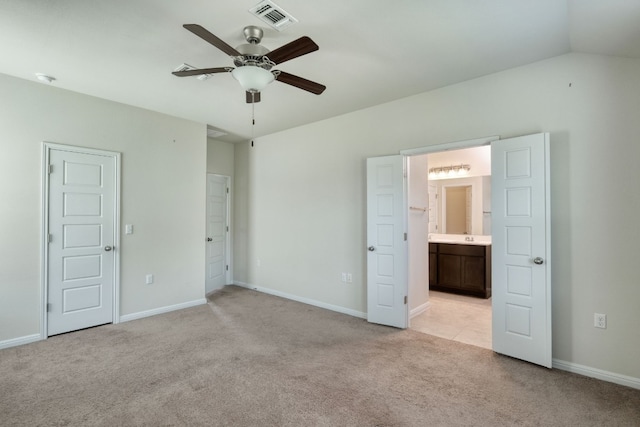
{"points": [[301, 83], [199, 71], [253, 97], [296, 48], [207, 36]]}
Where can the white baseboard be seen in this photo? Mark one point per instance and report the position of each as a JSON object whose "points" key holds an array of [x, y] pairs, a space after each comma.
{"points": [[419, 310], [161, 310], [597, 373], [28, 339], [315, 303]]}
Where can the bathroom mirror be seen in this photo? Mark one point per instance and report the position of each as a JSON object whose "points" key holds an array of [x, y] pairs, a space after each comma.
{"points": [[458, 209], [464, 205]]}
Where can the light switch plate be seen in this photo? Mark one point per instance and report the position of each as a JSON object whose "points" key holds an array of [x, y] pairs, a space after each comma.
{"points": [[128, 229]]}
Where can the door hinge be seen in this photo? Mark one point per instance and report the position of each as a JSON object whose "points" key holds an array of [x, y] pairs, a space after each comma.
{"points": [[227, 228], [48, 307], [227, 190], [405, 237], [49, 238], [227, 268], [405, 299], [50, 169]]}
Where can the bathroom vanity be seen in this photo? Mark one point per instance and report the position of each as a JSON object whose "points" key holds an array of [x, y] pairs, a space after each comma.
{"points": [[460, 266]]}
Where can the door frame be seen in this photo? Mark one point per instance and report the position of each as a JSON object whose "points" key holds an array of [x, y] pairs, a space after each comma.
{"points": [[438, 148], [456, 145], [228, 242], [44, 239]]}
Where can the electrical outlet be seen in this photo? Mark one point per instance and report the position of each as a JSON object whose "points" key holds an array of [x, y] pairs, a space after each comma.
{"points": [[148, 279], [600, 320], [344, 277], [349, 278]]}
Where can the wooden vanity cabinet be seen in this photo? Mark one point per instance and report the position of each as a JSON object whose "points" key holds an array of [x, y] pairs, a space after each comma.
{"points": [[433, 264], [459, 268]]}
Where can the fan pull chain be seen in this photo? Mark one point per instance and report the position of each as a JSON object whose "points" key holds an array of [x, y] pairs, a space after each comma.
{"points": [[253, 116]]}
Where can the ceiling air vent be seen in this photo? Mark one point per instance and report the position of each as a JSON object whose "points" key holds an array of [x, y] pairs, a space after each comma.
{"points": [[273, 15], [185, 67], [214, 133]]}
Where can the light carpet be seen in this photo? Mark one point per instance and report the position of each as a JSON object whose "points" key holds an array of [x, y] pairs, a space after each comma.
{"points": [[251, 359]]}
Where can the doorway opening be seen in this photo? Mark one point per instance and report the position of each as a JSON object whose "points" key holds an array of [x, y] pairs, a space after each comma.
{"points": [[519, 263], [457, 203]]}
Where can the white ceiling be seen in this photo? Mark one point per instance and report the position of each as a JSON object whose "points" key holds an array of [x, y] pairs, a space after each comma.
{"points": [[371, 51]]}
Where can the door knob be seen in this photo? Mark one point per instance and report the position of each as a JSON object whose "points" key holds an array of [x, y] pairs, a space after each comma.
{"points": [[371, 248], [107, 248], [538, 260], [209, 239]]}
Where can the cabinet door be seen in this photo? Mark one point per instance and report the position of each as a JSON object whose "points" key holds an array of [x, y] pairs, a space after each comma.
{"points": [[449, 270], [473, 273], [433, 268]]}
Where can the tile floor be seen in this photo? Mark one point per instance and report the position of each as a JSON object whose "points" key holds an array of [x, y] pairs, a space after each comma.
{"points": [[456, 317]]}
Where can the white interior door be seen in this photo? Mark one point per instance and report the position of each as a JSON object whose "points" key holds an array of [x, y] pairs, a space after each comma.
{"points": [[387, 260], [82, 237], [520, 248], [217, 232]]}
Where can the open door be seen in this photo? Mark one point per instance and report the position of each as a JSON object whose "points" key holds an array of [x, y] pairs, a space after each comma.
{"points": [[521, 277], [217, 240], [387, 259]]}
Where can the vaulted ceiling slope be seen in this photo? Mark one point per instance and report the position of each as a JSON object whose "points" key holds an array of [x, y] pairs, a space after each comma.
{"points": [[371, 51]]}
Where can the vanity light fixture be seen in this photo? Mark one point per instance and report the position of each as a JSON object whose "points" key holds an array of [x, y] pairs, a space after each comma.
{"points": [[452, 171]]}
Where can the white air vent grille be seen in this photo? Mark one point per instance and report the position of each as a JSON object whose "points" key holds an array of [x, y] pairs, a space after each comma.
{"points": [[273, 15], [186, 67], [215, 133]]}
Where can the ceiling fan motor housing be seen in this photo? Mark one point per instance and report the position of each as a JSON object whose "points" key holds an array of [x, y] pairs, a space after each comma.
{"points": [[252, 52], [253, 34]]}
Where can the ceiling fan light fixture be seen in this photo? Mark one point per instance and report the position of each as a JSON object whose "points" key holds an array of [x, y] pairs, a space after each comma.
{"points": [[252, 78]]}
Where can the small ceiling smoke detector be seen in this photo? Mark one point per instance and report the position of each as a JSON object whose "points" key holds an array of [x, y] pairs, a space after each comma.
{"points": [[44, 78], [273, 15]]}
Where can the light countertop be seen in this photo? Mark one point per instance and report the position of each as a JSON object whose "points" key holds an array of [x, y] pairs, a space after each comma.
{"points": [[459, 239]]}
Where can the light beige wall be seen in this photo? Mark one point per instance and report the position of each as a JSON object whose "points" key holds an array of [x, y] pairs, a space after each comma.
{"points": [[418, 233], [163, 196], [220, 157], [242, 170], [306, 192]]}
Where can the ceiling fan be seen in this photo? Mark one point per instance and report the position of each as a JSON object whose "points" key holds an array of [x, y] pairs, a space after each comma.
{"points": [[254, 62]]}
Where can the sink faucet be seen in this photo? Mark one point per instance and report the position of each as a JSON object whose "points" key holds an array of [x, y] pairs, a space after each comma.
{"points": [[469, 238]]}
